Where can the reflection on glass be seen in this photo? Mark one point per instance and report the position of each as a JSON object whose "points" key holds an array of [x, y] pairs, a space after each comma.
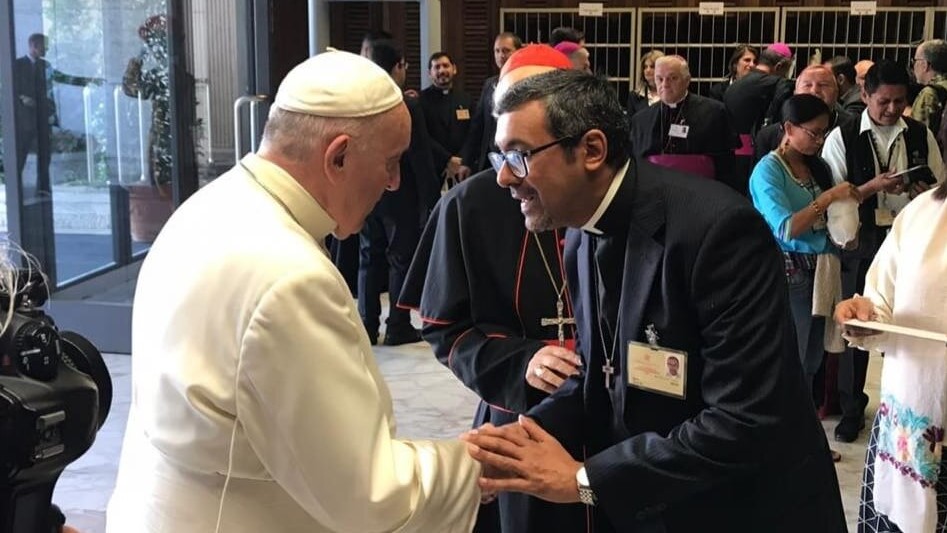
{"points": [[73, 135]]}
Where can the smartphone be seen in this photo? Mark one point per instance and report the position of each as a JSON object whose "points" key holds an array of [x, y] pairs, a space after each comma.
{"points": [[919, 173]]}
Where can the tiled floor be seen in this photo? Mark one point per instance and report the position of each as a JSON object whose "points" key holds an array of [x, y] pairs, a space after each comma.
{"points": [[429, 402]]}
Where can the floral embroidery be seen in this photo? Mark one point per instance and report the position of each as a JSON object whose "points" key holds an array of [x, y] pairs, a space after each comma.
{"points": [[908, 441]]}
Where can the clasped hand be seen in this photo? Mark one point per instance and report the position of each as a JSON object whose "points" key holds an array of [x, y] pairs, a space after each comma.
{"points": [[523, 457]]}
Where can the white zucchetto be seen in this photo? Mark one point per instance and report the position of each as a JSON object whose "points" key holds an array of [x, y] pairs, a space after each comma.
{"points": [[338, 84]]}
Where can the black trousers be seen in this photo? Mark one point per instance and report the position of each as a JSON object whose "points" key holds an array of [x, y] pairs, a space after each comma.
{"points": [[345, 255], [387, 240], [853, 363], [38, 141]]}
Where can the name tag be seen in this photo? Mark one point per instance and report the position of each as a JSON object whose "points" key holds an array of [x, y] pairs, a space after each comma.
{"points": [[884, 217], [657, 369], [463, 114], [679, 131]]}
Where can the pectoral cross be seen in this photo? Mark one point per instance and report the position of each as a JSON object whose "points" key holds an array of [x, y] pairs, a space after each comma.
{"points": [[608, 369], [560, 321]]}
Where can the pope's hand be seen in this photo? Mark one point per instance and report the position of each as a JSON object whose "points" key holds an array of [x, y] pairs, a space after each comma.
{"points": [[550, 367], [539, 465], [855, 308]]}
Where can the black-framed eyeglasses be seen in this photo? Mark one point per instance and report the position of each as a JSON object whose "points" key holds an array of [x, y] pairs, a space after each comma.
{"points": [[516, 159], [816, 136]]}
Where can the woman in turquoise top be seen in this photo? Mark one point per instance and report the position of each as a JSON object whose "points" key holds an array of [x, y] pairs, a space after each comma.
{"points": [[792, 188]]}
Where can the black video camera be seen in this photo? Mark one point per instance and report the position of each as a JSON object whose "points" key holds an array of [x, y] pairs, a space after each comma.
{"points": [[55, 393]]}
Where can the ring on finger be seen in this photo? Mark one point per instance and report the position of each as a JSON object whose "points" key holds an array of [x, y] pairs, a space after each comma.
{"points": [[539, 371]]}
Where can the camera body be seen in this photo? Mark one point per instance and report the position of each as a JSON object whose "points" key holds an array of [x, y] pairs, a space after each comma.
{"points": [[55, 393]]}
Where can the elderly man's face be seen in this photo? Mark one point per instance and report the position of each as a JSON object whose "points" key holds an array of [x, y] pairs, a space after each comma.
{"points": [[922, 70], [819, 83], [671, 82], [372, 164], [580, 60], [555, 175]]}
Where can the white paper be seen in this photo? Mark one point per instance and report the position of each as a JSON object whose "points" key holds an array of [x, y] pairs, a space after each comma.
{"points": [[710, 8], [899, 330], [864, 8], [591, 9]]}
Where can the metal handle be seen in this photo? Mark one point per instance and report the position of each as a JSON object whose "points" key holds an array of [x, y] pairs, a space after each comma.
{"points": [[87, 119], [210, 129], [142, 147], [118, 129], [254, 101]]}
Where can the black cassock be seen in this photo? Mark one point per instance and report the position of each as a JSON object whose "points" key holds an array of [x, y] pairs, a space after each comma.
{"points": [[708, 132], [753, 102], [481, 286], [448, 117]]}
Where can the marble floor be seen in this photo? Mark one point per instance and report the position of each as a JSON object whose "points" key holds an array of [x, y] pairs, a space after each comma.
{"points": [[429, 402]]}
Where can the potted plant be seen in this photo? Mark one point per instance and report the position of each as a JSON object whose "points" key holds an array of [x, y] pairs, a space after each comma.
{"points": [[147, 77]]}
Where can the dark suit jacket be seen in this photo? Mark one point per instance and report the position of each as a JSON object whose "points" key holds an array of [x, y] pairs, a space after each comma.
{"points": [[420, 184], [483, 129], [744, 451], [32, 83], [852, 101], [756, 100]]}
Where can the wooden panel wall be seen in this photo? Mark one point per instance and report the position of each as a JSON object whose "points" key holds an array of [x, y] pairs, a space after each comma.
{"points": [[469, 26], [731, 3], [350, 21]]}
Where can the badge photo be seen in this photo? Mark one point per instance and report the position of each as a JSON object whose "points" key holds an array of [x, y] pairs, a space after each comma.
{"points": [[657, 369]]}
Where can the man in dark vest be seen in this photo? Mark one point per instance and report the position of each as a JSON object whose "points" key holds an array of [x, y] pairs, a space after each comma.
{"points": [[868, 152]]}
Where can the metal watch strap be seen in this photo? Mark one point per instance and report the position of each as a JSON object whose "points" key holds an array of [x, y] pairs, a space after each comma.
{"points": [[586, 495]]}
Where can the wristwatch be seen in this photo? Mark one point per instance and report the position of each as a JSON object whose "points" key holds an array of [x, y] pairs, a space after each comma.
{"points": [[586, 495]]}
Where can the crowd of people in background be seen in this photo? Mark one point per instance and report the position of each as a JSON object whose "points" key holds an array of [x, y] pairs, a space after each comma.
{"points": [[827, 142]]}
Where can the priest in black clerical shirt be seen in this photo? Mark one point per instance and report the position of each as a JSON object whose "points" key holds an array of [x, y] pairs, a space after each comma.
{"points": [[665, 266], [685, 131], [447, 113]]}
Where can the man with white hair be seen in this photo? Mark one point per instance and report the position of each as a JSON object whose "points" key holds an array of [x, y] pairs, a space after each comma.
{"points": [[257, 402], [685, 131]]}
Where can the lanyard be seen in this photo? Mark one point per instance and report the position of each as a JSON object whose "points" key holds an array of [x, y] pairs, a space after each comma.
{"points": [[886, 165]]}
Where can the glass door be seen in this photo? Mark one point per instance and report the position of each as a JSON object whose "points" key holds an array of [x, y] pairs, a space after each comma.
{"points": [[113, 112]]}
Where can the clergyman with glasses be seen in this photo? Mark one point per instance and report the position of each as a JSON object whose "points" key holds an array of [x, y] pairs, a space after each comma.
{"points": [[665, 264]]}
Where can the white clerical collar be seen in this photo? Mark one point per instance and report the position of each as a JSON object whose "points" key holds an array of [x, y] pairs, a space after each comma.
{"points": [[290, 194], [675, 104], [607, 201], [868, 124]]}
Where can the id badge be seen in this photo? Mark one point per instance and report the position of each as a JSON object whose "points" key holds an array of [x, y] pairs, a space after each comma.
{"points": [[884, 217], [463, 114], [657, 369], [679, 131]]}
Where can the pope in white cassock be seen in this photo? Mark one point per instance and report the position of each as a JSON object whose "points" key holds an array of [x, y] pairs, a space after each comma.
{"points": [[257, 405]]}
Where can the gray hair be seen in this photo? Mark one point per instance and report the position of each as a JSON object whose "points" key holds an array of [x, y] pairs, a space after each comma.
{"points": [[576, 102], [297, 135], [677, 61], [935, 53]]}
